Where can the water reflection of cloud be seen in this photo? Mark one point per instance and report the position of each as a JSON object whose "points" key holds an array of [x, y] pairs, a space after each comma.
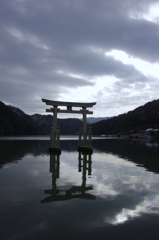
{"points": [[150, 207], [117, 179]]}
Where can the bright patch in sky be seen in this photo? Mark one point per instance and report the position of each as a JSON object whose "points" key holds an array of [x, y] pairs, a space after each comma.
{"points": [[88, 93], [103, 87], [151, 15], [146, 68]]}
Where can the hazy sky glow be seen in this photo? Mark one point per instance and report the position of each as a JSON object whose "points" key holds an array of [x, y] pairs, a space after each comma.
{"points": [[104, 51]]}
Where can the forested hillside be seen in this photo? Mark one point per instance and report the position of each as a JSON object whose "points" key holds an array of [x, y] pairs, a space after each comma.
{"points": [[13, 124], [143, 117]]}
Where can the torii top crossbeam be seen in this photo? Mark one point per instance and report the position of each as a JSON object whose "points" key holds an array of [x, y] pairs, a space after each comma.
{"points": [[68, 104]]}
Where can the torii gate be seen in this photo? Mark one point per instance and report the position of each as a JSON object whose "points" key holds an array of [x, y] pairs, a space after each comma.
{"points": [[69, 109]]}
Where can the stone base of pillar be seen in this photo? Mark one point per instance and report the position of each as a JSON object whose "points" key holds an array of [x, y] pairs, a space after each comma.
{"points": [[85, 150], [55, 150]]}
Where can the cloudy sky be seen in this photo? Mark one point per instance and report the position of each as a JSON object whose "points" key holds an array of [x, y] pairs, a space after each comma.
{"points": [[104, 51]]}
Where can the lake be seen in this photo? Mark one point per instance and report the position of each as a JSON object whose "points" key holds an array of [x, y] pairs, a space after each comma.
{"points": [[111, 194]]}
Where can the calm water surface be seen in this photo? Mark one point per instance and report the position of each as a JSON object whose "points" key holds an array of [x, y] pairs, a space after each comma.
{"points": [[111, 194]]}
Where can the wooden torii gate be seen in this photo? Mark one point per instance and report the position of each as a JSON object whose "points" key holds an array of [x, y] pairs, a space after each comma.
{"points": [[54, 136]]}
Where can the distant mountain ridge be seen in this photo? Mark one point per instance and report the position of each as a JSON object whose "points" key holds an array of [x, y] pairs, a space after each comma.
{"points": [[91, 120], [67, 126]]}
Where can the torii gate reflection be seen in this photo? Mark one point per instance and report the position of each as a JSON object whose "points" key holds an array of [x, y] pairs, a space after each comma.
{"points": [[55, 131], [85, 163]]}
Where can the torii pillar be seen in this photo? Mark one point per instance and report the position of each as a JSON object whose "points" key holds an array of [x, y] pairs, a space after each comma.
{"points": [[55, 119], [54, 135], [84, 127]]}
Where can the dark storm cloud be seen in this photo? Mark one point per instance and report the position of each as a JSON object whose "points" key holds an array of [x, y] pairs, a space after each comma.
{"points": [[103, 24], [48, 47]]}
